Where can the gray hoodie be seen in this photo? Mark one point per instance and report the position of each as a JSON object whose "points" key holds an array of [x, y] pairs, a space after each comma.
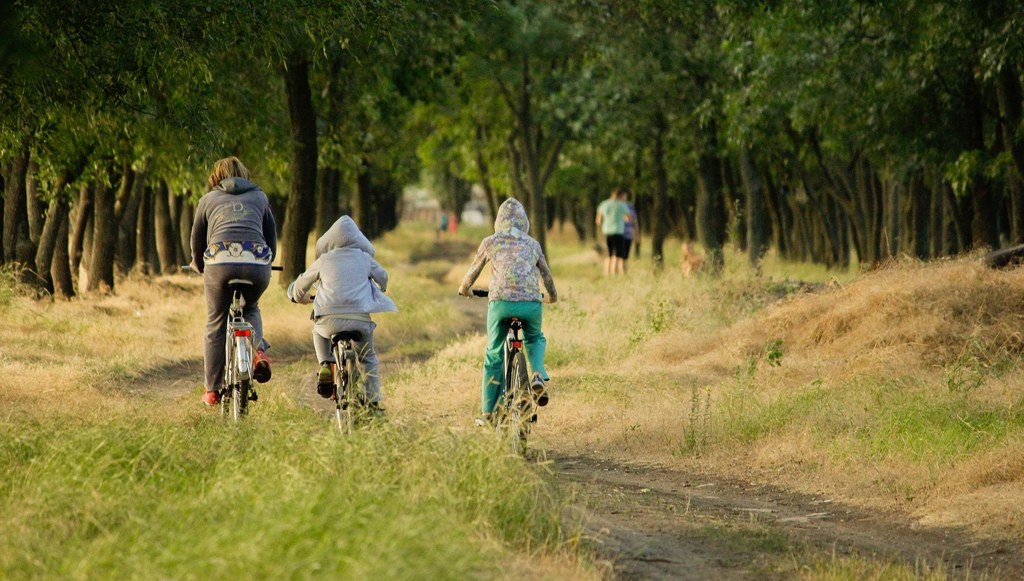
{"points": [[235, 211], [343, 274]]}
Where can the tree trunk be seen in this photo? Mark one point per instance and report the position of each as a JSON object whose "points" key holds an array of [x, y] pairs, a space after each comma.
{"points": [[185, 219], [893, 197], [484, 170], [163, 229], [16, 225], [101, 266], [362, 201], [1009, 94], [56, 219], [327, 199], [710, 204], [144, 231], [957, 217], [124, 192], [376, 200], [83, 216], [128, 223], [659, 229], [34, 204], [921, 201], [758, 228], [302, 197], [60, 267], [984, 227]]}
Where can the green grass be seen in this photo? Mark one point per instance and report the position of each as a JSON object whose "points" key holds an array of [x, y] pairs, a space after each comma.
{"points": [[281, 496]]}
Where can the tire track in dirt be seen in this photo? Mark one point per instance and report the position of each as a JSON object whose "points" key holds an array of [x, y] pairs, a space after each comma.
{"points": [[655, 523]]}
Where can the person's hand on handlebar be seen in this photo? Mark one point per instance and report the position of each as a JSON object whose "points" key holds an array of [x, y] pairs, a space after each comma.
{"points": [[464, 291]]}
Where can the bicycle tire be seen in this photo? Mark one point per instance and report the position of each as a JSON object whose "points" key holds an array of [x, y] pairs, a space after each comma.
{"points": [[344, 411], [240, 400], [517, 403]]}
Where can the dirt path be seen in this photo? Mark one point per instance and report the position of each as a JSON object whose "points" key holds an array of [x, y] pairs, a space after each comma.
{"points": [[651, 522], [654, 523]]}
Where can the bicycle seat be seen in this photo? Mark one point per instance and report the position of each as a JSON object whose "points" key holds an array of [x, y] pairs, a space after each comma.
{"points": [[346, 336], [238, 284]]}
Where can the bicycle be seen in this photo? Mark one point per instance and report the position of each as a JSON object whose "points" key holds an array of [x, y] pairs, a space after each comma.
{"points": [[516, 411], [348, 399], [238, 354]]}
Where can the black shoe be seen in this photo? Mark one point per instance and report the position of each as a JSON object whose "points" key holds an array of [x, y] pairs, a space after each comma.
{"points": [[325, 381], [375, 412], [325, 390], [540, 391]]}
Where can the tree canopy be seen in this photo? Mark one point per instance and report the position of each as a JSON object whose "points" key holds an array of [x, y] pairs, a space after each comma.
{"points": [[822, 131]]}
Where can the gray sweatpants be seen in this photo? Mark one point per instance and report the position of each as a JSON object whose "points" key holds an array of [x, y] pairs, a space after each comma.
{"points": [[218, 299], [366, 355]]}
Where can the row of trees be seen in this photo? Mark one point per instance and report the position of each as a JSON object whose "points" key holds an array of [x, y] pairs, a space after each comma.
{"points": [[826, 131]]}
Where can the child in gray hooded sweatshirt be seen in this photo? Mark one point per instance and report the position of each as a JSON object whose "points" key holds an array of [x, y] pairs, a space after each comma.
{"points": [[349, 285]]}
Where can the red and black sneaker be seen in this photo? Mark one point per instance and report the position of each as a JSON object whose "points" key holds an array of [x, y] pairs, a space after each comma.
{"points": [[261, 367], [211, 398]]}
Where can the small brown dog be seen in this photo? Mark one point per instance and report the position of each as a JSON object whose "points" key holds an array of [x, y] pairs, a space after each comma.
{"points": [[691, 262]]}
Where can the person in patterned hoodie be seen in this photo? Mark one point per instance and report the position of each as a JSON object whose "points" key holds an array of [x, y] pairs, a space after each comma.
{"points": [[517, 265]]}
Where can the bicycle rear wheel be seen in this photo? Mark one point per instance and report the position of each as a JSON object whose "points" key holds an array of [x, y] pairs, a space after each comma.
{"points": [[240, 400], [517, 403], [343, 386]]}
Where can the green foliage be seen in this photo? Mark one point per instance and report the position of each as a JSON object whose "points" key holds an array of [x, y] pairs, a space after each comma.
{"points": [[657, 317]]}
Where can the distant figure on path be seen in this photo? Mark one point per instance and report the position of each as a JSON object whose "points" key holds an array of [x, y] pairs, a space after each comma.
{"points": [[453, 224], [631, 231], [442, 224], [612, 215]]}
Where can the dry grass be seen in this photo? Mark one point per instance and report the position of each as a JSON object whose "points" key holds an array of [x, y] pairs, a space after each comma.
{"points": [[898, 388]]}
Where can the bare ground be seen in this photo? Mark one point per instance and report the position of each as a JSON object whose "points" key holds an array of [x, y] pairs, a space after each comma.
{"points": [[656, 523]]}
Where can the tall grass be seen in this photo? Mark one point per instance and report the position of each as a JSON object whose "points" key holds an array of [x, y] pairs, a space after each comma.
{"points": [[111, 468], [282, 496]]}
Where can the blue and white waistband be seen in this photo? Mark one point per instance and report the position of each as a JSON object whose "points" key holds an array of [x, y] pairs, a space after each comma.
{"points": [[238, 253]]}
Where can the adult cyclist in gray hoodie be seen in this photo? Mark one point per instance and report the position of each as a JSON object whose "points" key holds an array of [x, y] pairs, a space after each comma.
{"points": [[348, 285], [233, 236]]}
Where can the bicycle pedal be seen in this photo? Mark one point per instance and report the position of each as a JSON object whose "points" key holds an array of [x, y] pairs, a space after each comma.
{"points": [[533, 419], [253, 396]]}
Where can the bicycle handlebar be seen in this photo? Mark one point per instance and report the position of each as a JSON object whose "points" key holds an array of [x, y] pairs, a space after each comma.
{"points": [[188, 268], [484, 293]]}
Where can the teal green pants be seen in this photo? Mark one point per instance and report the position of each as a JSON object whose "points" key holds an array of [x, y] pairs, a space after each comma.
{"points": [[533, 339]]}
